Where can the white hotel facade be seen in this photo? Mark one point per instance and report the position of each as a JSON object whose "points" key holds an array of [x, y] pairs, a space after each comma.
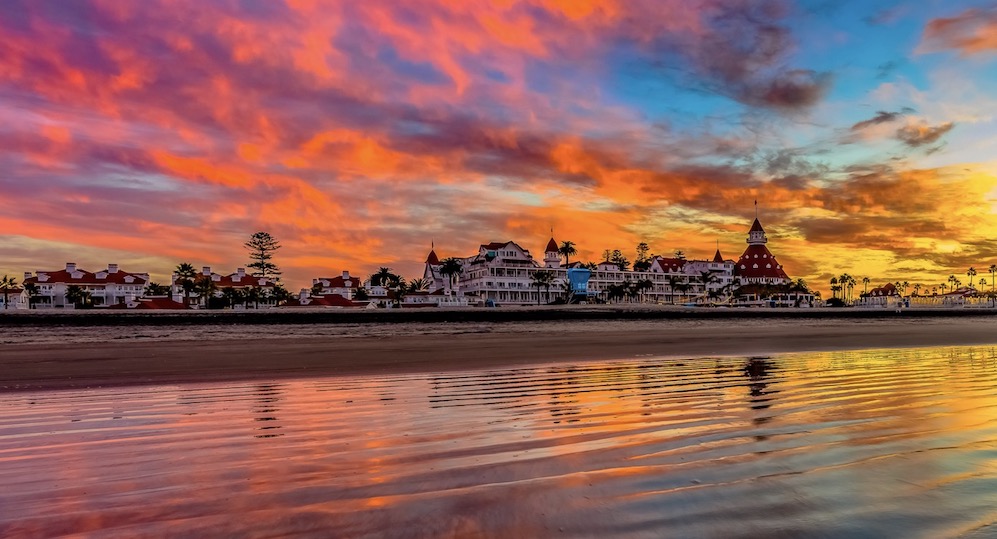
{"points": [[501, 272]]}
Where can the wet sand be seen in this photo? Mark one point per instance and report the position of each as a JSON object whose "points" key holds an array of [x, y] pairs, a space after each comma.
{"points": [[82, 358]]}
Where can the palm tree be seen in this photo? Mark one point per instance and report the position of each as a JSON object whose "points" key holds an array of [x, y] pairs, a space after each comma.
{"points": [[32, 290], [156, 289], [252, 295], [983, 282], [567, 249], [185, 278], [7, 285], [77, 296], [993, 270], [397, 285], [917, 289], [279, 294], [542, 279], [971, 272], [673, 281], [418, 285], [642, 287], [451, 269], [865, 283], [952, 281], [905, 284], [381, 277], [834, 287], [230, 295], [205, 287], [943, 287]]}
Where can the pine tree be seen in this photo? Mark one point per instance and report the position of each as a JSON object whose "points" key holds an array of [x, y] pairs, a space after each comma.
{"points": [[262, 247]]}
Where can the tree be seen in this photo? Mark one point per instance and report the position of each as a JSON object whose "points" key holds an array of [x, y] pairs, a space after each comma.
{"points": [[542, 279], [317, 289], [185, 278], [993, 270], [834, 287], [418, 285], [567, 250], [673, 281], [451, 268], [252, 295], [381, 277], [971, 272], [79, 297], [952, 280], [621, 261], [642, 287], [7, 285], [680, 254], [606, 255], [156, 289], [397, 285], [33, 293], [231, 296], [280, 294], [205, 287], [261, 247], [642, 262], [865, 283]]}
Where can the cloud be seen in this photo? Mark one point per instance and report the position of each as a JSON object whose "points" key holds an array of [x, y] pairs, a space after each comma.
{"points": [[881, 117], [920, 134], [973, 31]]}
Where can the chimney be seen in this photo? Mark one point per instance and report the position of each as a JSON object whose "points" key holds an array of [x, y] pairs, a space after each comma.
{"points": [[241, 272], [70, 266], [27, 275], [206, 270], [112, 268], [346, 275]]}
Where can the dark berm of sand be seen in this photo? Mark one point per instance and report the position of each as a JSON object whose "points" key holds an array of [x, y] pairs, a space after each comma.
{"points": [[77, 350]]}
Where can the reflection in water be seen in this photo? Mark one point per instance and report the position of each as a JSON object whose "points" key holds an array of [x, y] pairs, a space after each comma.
{"points": [[885, 443]]}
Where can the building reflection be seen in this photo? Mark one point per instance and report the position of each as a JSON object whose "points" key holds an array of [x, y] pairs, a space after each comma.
{"points": [[265, 410], [759, 371]]}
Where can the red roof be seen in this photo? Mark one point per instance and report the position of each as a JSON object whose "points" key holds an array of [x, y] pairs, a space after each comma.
{"points": [[551, 246], [495, 245], [758, 262], [670, 264], [63, 276], [717, 258], [432, 259], [756, 226], [339, 282], [246, 281], [887, 289]]}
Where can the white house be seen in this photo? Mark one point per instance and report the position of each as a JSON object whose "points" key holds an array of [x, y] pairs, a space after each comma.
{"points": [[106, 287], [239, 280]]}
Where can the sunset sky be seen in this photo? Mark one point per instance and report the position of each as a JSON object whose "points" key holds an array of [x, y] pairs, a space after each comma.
{"points": [[153, 132]]}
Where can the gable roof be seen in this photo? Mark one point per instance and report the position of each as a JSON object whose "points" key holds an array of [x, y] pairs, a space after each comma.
{"points": [[551, 246], [85, 277], [758, 262]]}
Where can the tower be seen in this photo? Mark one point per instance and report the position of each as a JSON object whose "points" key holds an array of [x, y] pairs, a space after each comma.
{"points": [[552, 258]]}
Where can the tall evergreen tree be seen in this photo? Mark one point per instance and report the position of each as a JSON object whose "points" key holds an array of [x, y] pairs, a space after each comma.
{"points": [[261, 247]]}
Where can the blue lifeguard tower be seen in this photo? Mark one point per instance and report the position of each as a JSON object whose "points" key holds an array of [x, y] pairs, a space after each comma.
{"points": [[578, 278]]}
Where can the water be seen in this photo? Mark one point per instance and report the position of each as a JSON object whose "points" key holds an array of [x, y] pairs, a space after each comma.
{"points": [[898, 443]]}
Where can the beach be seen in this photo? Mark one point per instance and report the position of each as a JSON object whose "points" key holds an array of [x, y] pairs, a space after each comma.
{"points": [[97, 351]]}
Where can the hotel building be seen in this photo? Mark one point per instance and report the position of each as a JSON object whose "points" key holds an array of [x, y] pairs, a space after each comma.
{"points": [[106, 287]]}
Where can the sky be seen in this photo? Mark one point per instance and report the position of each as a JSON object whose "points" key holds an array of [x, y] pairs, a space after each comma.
{"points": [[359, 133]]}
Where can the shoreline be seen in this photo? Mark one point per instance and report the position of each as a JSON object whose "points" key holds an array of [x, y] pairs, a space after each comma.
{"points": [[377, 349], [104, 318]]}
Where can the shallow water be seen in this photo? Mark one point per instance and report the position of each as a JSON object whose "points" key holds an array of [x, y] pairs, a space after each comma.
{"points": [[895, 443]]}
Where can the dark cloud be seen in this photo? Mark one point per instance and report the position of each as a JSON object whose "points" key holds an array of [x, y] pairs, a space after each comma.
{"points": [[919, 135], [789, 90], [881, 117]]}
